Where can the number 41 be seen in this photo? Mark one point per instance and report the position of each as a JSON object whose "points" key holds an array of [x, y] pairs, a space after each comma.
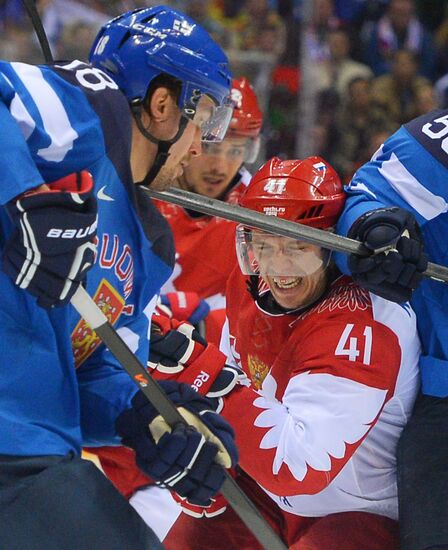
{"points": [[352, 351]]}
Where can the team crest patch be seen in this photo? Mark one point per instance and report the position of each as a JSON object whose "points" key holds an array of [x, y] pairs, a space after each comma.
{"points": [[84, 338], [258, 371]]}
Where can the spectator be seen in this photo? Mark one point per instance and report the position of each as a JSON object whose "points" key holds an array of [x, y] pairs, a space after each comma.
{"points": [[58, 13], [253, 21], [425, 99], [17, 44], [340, 68], [349, 10], [75, 40], [282, 122], [396, 93], [11, 12], [399, 28], [316, 37], [200, 11], [323, 135], [355, 122], [441, 44], [441, 92]]}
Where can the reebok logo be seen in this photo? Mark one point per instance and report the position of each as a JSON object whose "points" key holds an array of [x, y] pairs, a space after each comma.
{"points": [[200, 379]]}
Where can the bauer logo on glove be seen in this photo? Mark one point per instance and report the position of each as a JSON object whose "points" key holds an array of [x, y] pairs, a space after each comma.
{"points": [[52, 246]]}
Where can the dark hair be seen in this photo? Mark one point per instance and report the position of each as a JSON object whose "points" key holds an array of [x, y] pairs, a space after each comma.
{"points": [[173, 85]]}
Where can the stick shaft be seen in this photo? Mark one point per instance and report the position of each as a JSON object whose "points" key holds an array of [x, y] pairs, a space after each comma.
{"points": [[30, 6], [239, 501], [275, 225]]}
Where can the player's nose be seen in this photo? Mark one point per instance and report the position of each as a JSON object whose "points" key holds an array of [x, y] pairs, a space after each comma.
{"points": [[196, 145]]}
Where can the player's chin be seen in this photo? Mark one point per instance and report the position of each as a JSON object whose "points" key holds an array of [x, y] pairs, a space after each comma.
{"points": [[163, 180]]}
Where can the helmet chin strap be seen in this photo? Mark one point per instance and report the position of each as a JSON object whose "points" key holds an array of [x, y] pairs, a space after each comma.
{"points": [[163, 146]]}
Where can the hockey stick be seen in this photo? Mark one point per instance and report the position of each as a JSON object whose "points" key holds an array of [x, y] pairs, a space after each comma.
{"points": [[30, 6], [242, 505], [89, 311], [277, 226]]}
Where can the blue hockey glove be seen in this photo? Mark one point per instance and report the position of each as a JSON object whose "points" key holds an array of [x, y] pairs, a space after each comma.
{"points": [[52, 247], [395, 274], [189, 460]]}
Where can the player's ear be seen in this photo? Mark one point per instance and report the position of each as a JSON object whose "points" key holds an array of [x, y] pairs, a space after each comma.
{"points": [[160, 104]]}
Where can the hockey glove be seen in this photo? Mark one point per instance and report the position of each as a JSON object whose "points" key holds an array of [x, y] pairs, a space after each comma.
{"points": [[177, 351], [186, 306], [393, 274], [174, 345], [53, 246], [217, 506], [188, 460]]}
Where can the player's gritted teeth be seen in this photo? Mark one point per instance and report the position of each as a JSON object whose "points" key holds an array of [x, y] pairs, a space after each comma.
{"points": [[286, 282]]}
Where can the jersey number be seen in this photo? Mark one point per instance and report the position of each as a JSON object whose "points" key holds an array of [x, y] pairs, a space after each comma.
{"points": [[90, 77], [439, 134], [352, 351]]}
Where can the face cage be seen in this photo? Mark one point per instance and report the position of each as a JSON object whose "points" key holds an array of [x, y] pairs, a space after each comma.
{"points": [[298, 263]]}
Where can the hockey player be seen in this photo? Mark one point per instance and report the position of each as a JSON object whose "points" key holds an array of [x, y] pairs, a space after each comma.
{"points": [[332, 375], [402, 189], [75, 139], [219, 173]]}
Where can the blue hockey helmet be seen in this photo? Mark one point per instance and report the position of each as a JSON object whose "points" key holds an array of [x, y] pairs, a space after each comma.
{"points": [[139, 45]]}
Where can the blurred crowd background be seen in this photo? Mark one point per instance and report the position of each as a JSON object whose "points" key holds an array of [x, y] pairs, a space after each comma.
{"points": [[334, 77]]}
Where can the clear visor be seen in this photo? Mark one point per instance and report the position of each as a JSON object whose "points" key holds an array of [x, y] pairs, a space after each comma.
{"points": [[232, 149], [212, 120], [253, 150], [261, 253]]}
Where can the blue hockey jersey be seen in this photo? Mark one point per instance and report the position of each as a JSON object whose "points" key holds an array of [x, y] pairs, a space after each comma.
{"points": [[59, 387], [411, 171]]}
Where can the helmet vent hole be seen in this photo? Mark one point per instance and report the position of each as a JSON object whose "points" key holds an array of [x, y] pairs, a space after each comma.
{"points": [[148, 19], [313, 212], [124, 39]]}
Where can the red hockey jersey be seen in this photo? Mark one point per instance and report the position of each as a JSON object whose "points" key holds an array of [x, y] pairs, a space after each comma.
{"points": [[330, 391], [205, 255]]}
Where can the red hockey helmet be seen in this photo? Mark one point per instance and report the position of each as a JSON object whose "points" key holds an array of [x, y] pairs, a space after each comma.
{"points": [[247, 117], [307, 191]]}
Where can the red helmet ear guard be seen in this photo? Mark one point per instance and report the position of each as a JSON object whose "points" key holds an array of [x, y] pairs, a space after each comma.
{"points": [[307, 191], [247, 117]]}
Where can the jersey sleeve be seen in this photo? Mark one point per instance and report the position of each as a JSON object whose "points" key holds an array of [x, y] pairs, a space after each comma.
{"points": [[341, 376], [410, 170], [106, 389], [19, 172]]}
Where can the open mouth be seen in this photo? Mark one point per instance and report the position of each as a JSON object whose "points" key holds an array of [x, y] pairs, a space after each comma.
{"points": [[287, 282], [213, 180]]}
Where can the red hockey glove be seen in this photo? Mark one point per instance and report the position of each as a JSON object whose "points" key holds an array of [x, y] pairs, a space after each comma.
{"points": [[177, 351], [217, 506], [186, 306]]}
